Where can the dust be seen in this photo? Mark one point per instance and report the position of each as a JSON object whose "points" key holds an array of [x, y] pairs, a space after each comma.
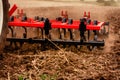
{"points": [[114, 18], [109, 42]]}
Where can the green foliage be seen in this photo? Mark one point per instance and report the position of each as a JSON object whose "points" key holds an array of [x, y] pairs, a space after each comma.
{"points": [[48, 77], [43, 76], [20, 78]]}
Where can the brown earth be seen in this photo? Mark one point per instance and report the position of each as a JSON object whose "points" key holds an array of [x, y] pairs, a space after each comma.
{"points": [[67, 63]]}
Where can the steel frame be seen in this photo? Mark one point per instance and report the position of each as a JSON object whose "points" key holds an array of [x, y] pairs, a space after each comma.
{"points": [[29, 22]]}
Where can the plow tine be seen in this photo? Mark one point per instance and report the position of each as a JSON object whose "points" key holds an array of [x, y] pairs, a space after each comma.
{"points": [[88, 22], [64, 20], [71, 31], [25, 32], [12, 35], [88, 34], [71, 35], [62, 33], [42, 33], [37, 32]]}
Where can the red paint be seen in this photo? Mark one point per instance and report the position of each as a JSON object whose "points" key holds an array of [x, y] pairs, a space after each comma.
{"points": [[54, 24], [12, 10]]}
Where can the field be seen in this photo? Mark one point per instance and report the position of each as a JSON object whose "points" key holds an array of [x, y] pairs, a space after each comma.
{"points": [[30, 63]]}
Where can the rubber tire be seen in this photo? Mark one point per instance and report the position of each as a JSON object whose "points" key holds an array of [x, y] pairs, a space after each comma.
{"points": [[4, 25]]}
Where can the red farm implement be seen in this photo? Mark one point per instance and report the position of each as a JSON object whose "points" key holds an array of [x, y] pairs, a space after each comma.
{"points": [[83, 29]]}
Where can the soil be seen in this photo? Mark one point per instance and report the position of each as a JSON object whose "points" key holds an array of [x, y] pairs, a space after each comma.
{"points": [[31, 63]]}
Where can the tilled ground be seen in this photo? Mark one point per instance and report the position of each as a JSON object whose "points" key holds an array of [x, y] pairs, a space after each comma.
{"points": [[31, 63]]}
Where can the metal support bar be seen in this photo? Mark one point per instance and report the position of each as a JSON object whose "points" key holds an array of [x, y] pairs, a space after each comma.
{"points": [[30, 40], [12, 9], [65, 42], [71, 42]]}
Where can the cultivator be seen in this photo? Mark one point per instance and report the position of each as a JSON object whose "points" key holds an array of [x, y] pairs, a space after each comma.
{"points": [[80, 31]]}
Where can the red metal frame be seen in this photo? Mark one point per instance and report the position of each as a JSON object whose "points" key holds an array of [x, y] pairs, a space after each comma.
{"points": [[54, 23], [12, 10]]}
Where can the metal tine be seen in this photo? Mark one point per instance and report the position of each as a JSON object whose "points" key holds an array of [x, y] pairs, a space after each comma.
{"points": [[47, 28], [71, 31], [60, 30], [25, 32], [23, 18], [88, 22], [64, 20], [13, 35], [82, 29], [95, 22], [90, 48], [39, 31], [42, 30], [11, 29], [24, 36], [63, 31]]}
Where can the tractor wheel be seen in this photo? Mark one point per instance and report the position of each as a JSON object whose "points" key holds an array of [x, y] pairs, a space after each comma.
{"points": [[4, 6]]}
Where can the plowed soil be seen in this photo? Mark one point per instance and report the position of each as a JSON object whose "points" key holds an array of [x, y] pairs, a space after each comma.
{"points": [[30, 63]]}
